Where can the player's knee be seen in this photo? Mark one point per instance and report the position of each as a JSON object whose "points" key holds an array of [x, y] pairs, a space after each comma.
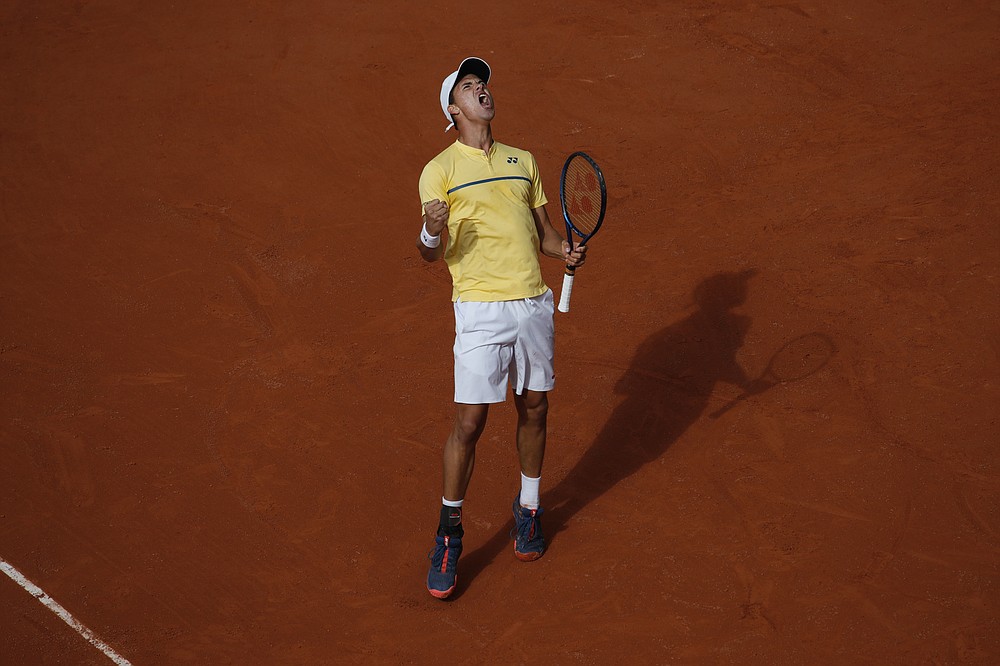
{"points": [[468, 428], [535, 408]]}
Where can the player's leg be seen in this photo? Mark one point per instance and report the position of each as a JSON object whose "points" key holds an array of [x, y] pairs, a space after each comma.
{"points": [[533, 378], [459, 459], [532, 410], [484, 335], [532, 415], [460, 449]]}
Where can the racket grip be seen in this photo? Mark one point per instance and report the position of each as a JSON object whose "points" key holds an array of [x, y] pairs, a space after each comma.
{"points": [[567, 291]]}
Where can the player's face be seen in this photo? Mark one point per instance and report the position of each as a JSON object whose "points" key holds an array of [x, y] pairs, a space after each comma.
{"points": [[473, 99]]}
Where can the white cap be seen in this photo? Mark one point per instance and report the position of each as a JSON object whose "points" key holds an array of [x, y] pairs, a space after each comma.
{"points": [[476, 66]]}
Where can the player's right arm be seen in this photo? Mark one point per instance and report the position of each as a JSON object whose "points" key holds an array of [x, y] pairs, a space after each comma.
{"points": [[434, 196], [435, 221]]}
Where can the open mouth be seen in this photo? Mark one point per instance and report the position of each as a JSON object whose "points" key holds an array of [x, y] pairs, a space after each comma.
{"points": [[485, 101]]}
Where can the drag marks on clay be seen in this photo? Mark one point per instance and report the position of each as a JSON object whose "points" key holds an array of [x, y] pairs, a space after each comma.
{"points": [[418, 444], [862, 600], [255, 293], [764, 536], [788, 44], [818, 507], [747, 45], [879, 561], [146, 378], [968, 641], [756, 605], [261, 276], [235, 241], [771, 435], [416, 432], [793, 8], [62, 459], [166, 276], [957, 462], [881, 558], [700, 164], [974, 516]]}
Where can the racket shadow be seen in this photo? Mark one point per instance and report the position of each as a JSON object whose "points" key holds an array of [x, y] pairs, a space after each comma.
{"points": [[666, 388]]}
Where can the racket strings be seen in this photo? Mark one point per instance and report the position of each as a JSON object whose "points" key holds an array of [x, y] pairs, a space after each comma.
{"points": [[583, 196]]}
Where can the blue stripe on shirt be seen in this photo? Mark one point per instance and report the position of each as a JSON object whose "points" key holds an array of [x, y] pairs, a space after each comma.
{"points": [[489, 180]]}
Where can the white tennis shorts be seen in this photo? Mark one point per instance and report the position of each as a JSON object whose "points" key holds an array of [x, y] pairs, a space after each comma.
{"points": [[501, 342]]}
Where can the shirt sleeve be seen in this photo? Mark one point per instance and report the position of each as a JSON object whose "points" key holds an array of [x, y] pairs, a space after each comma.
{"points": [[537, 194], [432, 184]]}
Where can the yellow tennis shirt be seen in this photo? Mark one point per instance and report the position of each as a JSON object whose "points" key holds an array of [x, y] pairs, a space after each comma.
{"points": [[492, 248]]}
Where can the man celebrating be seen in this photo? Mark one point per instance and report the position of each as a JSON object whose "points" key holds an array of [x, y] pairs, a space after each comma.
{"points": [[489, 198]]}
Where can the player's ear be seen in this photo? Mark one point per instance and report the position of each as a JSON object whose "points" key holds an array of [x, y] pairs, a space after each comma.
{"points": [[454, 110]]}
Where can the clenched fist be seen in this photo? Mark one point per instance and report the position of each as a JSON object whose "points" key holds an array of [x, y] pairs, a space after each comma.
{"points": [[435, 216]]}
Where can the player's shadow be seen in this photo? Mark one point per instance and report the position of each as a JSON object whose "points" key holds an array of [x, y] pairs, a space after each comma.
{"points": [[665, 388]]}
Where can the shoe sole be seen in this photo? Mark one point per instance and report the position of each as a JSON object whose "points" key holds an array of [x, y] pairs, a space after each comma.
{"points": [[526, 557], [443, 594]]}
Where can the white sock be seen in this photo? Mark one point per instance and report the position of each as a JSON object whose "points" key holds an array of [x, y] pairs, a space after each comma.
{"points": [[453, 503], [529, 491]]}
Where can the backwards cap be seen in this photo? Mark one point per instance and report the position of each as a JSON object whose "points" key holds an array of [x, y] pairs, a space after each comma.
{"points": [[475, 66]]}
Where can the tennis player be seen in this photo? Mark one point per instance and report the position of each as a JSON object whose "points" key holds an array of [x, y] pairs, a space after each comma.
{"points": [[484, 213]]}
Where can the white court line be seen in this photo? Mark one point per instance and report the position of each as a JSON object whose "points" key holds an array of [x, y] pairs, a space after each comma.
{"points": [[63, 614]]}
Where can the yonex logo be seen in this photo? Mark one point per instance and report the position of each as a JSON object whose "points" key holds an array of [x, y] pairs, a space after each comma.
{"points": [[511, 160]]}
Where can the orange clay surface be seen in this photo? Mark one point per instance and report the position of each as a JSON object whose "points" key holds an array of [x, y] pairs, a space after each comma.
{"points": [[227, 374]]}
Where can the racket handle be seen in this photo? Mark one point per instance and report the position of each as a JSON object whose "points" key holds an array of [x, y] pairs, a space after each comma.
{"points": [[567, 290]]}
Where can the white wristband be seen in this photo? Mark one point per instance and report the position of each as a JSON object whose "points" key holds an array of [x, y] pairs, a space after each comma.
{"points": [[427, 239]]}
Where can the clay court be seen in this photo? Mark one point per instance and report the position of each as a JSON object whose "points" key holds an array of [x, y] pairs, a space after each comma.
{"points": [[227, 372]]}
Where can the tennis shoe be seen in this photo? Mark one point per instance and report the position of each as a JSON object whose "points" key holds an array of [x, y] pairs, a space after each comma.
{"points": [[443, 574], [529, 544]]}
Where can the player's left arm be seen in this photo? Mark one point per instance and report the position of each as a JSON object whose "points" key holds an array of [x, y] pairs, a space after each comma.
{"points": [[552, 244]]}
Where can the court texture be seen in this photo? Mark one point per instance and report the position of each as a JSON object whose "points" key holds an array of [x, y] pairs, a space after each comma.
{"points": [[226, 372]]}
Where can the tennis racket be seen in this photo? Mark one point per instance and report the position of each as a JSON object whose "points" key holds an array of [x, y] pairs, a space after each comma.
{"points": [[797, 359], [584, 199]]}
